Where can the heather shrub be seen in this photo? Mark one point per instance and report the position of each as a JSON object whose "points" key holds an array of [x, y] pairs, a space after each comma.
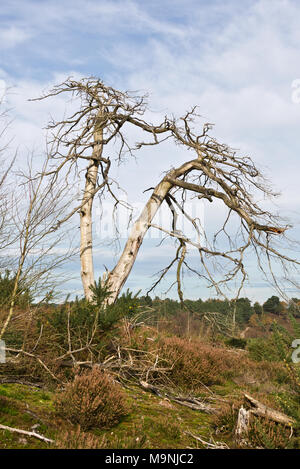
{"points": [[190, 364], [93, 399], [266, 434], [195, 363]]}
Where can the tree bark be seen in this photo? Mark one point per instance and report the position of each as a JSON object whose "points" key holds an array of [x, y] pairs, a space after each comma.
{"points": [[242, 426], [257, 408], [118, 276], [86, 228], [25, 432]]}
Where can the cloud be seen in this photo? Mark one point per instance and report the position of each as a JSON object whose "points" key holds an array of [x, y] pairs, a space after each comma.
{"points": [[236, 60], [13, 36]]}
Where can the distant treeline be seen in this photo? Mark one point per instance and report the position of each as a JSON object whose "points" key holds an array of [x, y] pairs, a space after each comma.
{"points": [[244, 307], [168, 306]]}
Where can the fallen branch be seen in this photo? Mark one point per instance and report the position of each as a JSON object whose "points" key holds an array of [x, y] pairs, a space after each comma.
{"points": [[191, 402], [31, 355], [24, 432], [209, 445], [257, 408], [19, 381], [260, 410]]}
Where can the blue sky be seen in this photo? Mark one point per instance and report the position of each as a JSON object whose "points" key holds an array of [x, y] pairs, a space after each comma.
{"points": [[239, 61]]}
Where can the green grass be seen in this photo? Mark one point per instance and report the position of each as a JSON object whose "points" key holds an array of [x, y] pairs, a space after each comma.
{"points": [[152, 422]]}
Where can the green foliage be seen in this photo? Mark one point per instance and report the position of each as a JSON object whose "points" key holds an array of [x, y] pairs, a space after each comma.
{"points": [[258, 309], [100, 293], [290, 404], [126, 305], [274, 348], [7, 282], [243, 310], [89, 319], [169, 308], [295, 325], [277, 345], [263, 349], [13, 338], [294, 307], [236, 342], [273, 305]]}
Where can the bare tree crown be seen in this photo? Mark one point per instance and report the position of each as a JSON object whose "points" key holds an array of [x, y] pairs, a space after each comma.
{"points": [[217, 173]]}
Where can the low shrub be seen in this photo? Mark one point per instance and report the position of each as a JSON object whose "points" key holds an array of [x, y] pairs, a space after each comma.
{"points": [[195, 363], [190, 364], [236, 342], [92, 400], [85, 320], [266, 434], [263, 349], [276, 347]]}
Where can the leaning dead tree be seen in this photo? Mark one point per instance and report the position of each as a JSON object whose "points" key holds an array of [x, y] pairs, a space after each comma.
{"points": [[84, 140], [215, 173]]}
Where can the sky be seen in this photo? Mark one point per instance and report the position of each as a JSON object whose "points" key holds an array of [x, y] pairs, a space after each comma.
{"points": [[238, 61]]}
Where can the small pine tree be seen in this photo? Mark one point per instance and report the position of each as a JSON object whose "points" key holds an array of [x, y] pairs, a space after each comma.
{"points": [[7, 282]]}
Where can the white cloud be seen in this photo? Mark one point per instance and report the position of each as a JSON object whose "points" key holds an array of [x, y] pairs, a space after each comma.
{"points": [[12, 37], [237, 61]]}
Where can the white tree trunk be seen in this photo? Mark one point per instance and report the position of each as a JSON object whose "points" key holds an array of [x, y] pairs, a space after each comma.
{"points": [[242, 426], [118, 276], [86, 228], [86, 244]]}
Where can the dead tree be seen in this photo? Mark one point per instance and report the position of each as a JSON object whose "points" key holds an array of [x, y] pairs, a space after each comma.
{"points": [[216, 174], [83, 138]]}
